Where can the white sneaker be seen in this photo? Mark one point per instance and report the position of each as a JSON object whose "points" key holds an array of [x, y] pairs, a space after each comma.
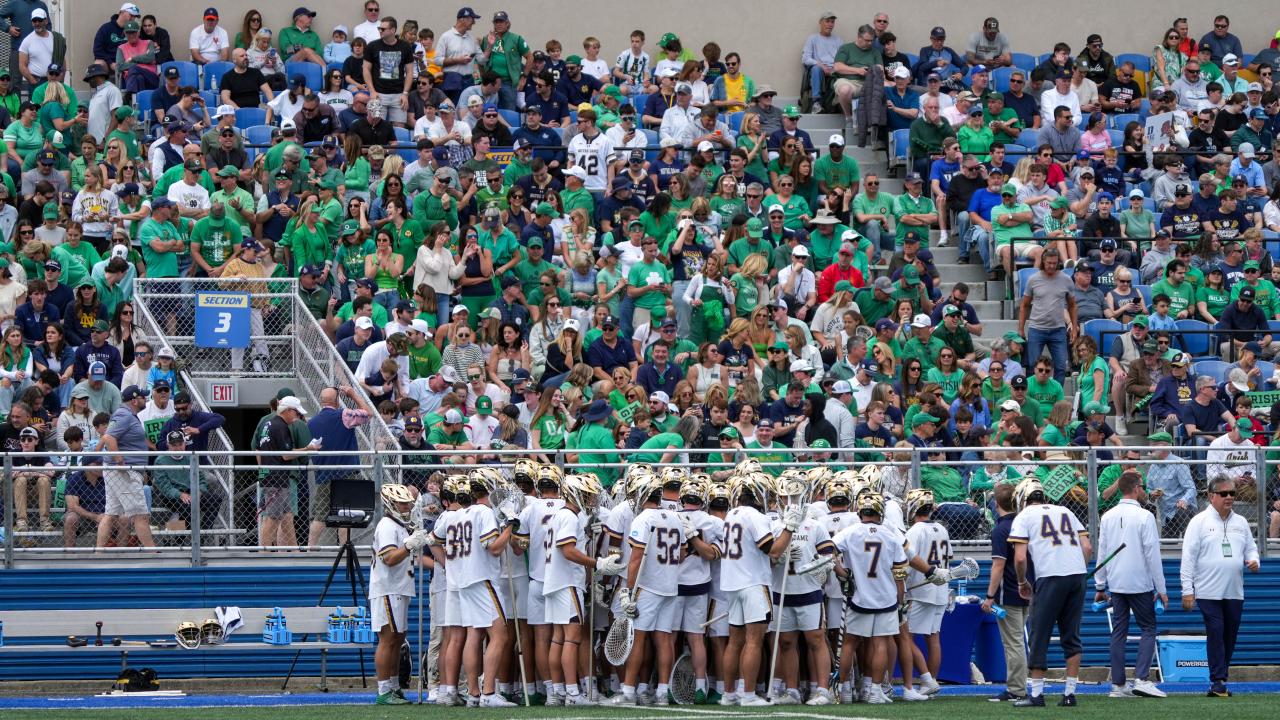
{"points": [[1122, 428], [577, 700], [930, 688], [620, 699], [661, 699], [729, 699], [943, 239], [821, 696], [1121, 691], [473, 701], [787, 697], [846, 697], [445, 699], [876, 696], [752, 700], [887, 690], [912, 695], [555, 700], [1146, 688], [644, 698], [495, 700]]}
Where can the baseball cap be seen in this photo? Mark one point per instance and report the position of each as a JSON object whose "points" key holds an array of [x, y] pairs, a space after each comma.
{"points": [[1230, 59], [47, 157], [901, 72], [921, 321], [912, 178], [1246, 293], [764, 423], [1254, 87], [885, 324], [290, 402], [1182, 189], [484, 405], [131, 392], [1093, 407], [730, 432], [364, 323], [938, 32], [911, 236], [951, 310], [659, 396], [97, 371], [1246, 150], [1244, 425], [577, 172], [29, 432], [1257, 114], [755, 228], [836, 139], [1013, 336], [1019, 382], [883, 284], [1011, 405], [303, 11], [922, 418], [704, 146], [910, 275]]}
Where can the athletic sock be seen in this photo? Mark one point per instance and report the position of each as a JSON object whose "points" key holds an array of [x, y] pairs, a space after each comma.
{"points": [[628, 690], [572, 688], [662, 690], [1035, 687], [642, 688], [548, 688], [700, 684], [615, 683], [530, 689], [926, 678], [1071, 686], [720, 686], [557, 688], [742, 687], [384, 687]]}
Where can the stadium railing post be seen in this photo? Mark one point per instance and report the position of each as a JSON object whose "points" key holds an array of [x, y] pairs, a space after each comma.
{"points": [[8, 512], [197, 524], [1260, 472], [1091, 472], [915, 480]]}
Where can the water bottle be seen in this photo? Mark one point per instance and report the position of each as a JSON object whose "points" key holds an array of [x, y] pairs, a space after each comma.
{"points": [[962, 588], [1159, 606], [213, 83], [1100, 605], [998, 611]]}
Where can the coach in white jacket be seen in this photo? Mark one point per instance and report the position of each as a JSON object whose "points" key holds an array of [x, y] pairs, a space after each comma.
{"points": [[1215, 550], [1133, 580]]}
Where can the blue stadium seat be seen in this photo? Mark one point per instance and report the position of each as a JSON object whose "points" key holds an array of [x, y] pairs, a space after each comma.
{"points": [[188, 72], [912, 59], [1140, 62], [213, 73], [258, 134], [210, 101], [408, 148], [1149, 203], [1216, 369], [639, 101], [1095, 328], [899, 144], [1199, 344], [511, 117], [1145, 290], [1117, 138], [1144, 109], [1043, 58], [1024, 274], [1000, 78], [1273, 247], [1119, 120], [249, 117], [1024, 61], [1029, 138], [331, 67], [735, 121], [651, 138], [312, 72], [144, 105]]}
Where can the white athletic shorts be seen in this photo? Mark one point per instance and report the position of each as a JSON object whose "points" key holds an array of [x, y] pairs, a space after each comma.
{"points": [[867, 625], [835, 612], [925, 618], [657, 612], [481, 605], [390, 610], [692, 613], [125, 496], [801, 618], [536, 603], [564, 607], [521, 601], [750, 605], [437, 606], [720, 625], [453, 608]]}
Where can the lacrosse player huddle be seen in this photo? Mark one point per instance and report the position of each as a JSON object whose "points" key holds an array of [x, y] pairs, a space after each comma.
{"points": [[672, 588]]}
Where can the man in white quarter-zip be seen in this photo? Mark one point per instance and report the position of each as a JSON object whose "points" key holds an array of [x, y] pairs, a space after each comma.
{"points": [[1133, 580], [1216, 548]]}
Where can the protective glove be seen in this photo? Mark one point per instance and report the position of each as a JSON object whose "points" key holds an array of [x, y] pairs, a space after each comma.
{"points": [[507, 515], [903, 608], [846, 585], [596, 527], [610, 565], [818, 569], [792, 517], [691, 530], [795, 553], [415, 541], [627, 603], [940, 576]]}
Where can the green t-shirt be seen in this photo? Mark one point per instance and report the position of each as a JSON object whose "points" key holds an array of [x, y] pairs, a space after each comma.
{"points": [[27, 139], [241, 197], [378, 316], [424, 361], [1087, 389], [950, 382], [504, 246], [657, 447], [792, 210], [1181, 297], [594, 436], [1265, 295], [293, 40], [904, 204], [1004, 235], [657, 227], [744, 246], [779, 454], [644, 274], [1046, 393], [926, 354], [218, 239], [872, 308], [129, 140], [428, 210], [850, 54], [1137, 224], [530, 273], [162, 264], [1215, 300], [843, 173], [975, 142], [1005, 115], [552, 432], [574, 199], [351, 258], [1052, 435]]}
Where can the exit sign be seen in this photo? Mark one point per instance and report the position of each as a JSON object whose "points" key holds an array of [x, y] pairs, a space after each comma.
{"points": [[222, 393]]}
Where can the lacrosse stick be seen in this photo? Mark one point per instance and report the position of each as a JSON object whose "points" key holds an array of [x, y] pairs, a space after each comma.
{"points": [[591, 628], [966, 569], [422, 649], [790, 489], [714, 620], [682, 683], [511, 585], [1108, 559], [622, 633]]}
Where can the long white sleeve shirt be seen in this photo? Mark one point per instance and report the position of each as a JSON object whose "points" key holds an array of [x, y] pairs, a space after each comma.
{"points": [[1051, 99], [1231, 458], [1137, 568], [1214, 552]]}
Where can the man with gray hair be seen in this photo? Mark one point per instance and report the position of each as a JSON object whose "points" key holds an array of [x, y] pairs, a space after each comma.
{"points": [[1001, 352], [1205, 415], [819, 56]]}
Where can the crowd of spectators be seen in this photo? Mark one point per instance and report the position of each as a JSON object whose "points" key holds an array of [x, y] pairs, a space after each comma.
{"points": [[514, 248]]}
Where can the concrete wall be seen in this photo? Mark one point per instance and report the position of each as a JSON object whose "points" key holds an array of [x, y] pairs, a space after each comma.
{"points": [[769, 34]]}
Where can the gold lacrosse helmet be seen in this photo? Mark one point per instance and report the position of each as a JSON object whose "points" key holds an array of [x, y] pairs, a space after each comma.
{"points": [[918, 499], [211, 632], [188, 635], [1024, 492], [392, 494], [870, 502]]}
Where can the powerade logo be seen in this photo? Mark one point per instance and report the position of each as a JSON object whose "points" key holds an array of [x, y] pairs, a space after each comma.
{"points": [[1191, 663]]}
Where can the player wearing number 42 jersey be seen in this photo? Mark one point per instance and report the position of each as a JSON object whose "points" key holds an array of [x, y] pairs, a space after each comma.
{"points": [[590, 150], [1058, 545]]}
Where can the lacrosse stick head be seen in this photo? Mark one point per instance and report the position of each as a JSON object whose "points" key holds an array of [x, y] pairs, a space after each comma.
{"points": [[618, 643], [818, 567], [683, 682], [188, 635], [211, 632], [792, 486], [966, 569]]}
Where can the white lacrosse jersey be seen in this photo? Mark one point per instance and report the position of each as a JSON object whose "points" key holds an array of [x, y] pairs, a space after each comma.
{"points": [[672, 505], [817, 509], [1051, 533], [566, 528], [660, 536], [472, 527], [932, 542], [617, 526], [872, 552], [717, 588], [747, 536], [812, 539], [892, 517], [445, 540], [834, 522], [387, 579], [696, 570], [535, 526], [592, 155]]}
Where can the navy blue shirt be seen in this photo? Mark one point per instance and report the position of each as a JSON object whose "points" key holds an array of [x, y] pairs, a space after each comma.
{"points": [[33, 323], [545, 141], [1206, 418], [783, 414], [92, 496], [607, 358], [1027, 108], [1008, 593], [205, 422], [577, 91], [328, 426], [652, 379], [554, 108], [1250, 324], [548, 238]]}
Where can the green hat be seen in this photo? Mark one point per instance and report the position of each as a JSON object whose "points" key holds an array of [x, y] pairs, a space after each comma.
{"points": [[51, 211], [284, 393], [573, 60], [1252, 265], [910, 275], [1142, 320], [484, 405], [754, 228], [950, 310], [1093, 406], [658, 313], [350, 227], [1150, 347], [730, 432], [534, 243], [4, 263], [546, 209], [132, 26], [228, 171], [1244, 425], [779, 345], [844, 286], [101, 326], [124, 111], [821, 443], [995, 96], [1009, 189], [6, 248], [922, 418], [1173, 355], [666, 40], [1059, 202], [791, 111], [56, 139], [327, 184], [613, 90], [1161, 436], [1012, 336], [635, 224], [84, 282]]}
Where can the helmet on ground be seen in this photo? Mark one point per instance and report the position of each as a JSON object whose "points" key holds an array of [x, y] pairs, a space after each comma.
{"points": [[392, 495], [917, 500]]}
